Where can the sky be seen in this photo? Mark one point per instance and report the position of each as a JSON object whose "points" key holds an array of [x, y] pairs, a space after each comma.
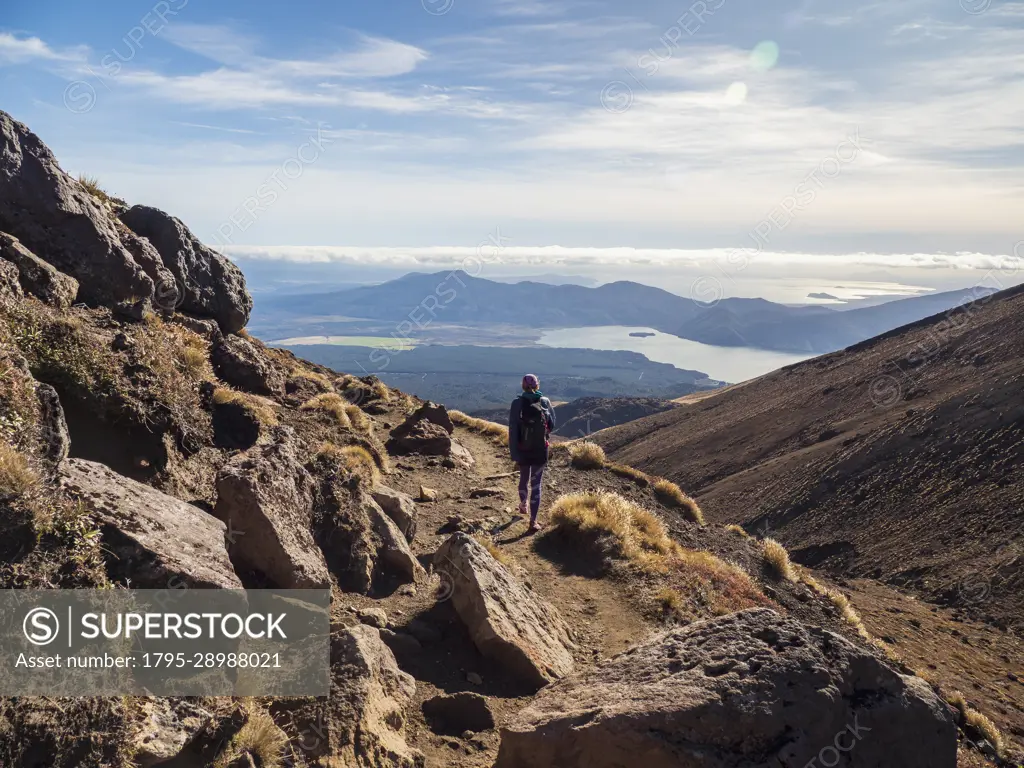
{"points": [[881, 132]]}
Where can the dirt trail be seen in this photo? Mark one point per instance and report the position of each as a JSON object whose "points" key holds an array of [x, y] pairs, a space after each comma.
{"points": [[599, 612]]}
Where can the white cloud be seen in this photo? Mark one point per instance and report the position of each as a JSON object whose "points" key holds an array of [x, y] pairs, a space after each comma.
{"points": [[17, 50]]}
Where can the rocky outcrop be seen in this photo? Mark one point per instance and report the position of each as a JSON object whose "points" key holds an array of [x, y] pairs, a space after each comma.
{"points": [[242, 364], [59, 221], [508, 622], [369, 697], [207, 284], [53, 426], [748, 689], [166, 727], [36, 276], [10, 285], [428, 431], [400, 507], [154, 539], [266, 497]]}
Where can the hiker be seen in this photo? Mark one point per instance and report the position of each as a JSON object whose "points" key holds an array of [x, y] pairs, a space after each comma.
{"points": [[530, 421]]}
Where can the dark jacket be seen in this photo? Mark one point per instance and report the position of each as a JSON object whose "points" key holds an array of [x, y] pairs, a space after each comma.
{"points": [[513, 423]]}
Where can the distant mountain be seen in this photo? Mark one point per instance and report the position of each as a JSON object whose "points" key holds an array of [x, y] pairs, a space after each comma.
{"points": [[455, 297], [897, 458], [550, 279]]}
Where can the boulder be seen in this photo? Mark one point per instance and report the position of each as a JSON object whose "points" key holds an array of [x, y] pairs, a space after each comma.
{"points": [[209, 284], [435, 414], [400, 507], [507, 621], [369, 698], [749, 689], [373, 617], [167, 726], [36, 277], [166, 295], [393, 552], [266, 497], [427, 494], [53, 427], [403, 645], [156, 540], [61, 222], [454, 714], [460, 456], [427, 431], [242, 364]]}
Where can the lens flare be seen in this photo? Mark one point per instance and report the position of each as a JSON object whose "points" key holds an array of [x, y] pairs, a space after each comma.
{"points": [[764, 56], [736, 94]]}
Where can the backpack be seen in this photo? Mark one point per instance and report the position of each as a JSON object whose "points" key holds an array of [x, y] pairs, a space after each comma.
{"points": [[533, 431]]}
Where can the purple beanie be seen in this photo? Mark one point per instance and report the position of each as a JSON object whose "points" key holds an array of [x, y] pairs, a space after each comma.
{"points": [[531, 382]]}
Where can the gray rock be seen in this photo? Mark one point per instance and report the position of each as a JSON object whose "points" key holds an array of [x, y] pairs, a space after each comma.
{"points": [[165, 289], [266, 497], [427, 431], [373, 617], [456, 713], [165, 729], [369, 698], [157, 540], [424, 631], [749, 689], [36, 276], [53, 427], [393, 550], [506, 620], [209, 285], [403, 645], [59, 221], [483, 493], [10, 285], [242, 364], [400, 507]]}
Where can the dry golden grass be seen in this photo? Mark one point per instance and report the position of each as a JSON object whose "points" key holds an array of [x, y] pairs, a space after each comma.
{"points": [[616, 528], [321, 382], [92, 186], [330, 403], [495, 551], [17, 477], [847, 612], [484, 427], [259, 737], [380, 390], [981, 724], [586, 455], [630, 473], [261, 409], [738, 530], [777, 559], [359, 420], [670, 601], [671, 495], [356, 460]]}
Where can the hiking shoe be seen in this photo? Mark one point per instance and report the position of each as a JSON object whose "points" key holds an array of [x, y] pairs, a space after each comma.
{"points": [[534, 527], [522, 509]]}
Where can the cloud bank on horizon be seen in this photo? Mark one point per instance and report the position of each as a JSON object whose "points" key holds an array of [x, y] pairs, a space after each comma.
{"points": [[662, 129]]}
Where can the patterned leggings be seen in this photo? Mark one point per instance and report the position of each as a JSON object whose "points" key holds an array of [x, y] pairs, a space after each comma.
{"points": [[530, 477]]}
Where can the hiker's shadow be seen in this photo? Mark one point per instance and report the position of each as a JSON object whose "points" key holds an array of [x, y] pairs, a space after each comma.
{"points": [[571, 560]]}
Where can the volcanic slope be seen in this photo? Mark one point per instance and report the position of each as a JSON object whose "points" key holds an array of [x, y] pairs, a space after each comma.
{"points": [[898, 458]]}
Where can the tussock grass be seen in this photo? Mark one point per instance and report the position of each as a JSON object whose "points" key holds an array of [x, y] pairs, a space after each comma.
{"points": [[670, 601], [846, 610], [259, 737], [258, 407], [617, 529], [330, 403], [355, 459], [586, 455], [671, 495], [777, 559], [495, 551], [971, 718], [489, 428], [359, 420], [92, 186], [630, 473], [318, 380], [738, 530], [17, 477], [381, 391]]}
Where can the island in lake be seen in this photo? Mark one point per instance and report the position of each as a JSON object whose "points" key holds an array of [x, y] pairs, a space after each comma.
{"points": [[641, 334]]}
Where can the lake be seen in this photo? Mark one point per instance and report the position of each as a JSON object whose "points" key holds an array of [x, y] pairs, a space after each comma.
{"points": [[731, 364]]}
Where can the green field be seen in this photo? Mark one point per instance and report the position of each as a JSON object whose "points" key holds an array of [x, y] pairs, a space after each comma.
{"points": [[380, 342]]}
